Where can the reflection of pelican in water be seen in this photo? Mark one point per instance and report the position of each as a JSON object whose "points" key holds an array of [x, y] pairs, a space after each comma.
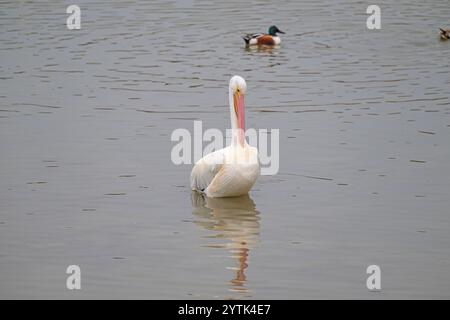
{"points": [[234, 220]]}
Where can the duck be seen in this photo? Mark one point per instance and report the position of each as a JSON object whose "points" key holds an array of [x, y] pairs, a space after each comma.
{"points": [[231, 171], [445, 34], [269, 39]]}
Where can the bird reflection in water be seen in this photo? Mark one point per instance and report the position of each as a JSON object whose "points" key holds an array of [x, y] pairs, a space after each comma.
{"points": [[234, 221], [261, 49]]}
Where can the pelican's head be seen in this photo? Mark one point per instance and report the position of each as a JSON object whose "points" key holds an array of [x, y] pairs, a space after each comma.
{"points": [[273, 30], [238, 88], [237, 84]]}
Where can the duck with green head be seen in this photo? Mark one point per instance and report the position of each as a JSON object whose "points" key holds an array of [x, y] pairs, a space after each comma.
{"points": [[269, 39]]}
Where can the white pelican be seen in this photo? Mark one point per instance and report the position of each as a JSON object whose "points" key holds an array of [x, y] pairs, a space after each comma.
{"points": [[231, 171]]}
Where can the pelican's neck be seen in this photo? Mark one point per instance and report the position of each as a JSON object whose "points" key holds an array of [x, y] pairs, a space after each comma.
{"points": [[236, 139]]}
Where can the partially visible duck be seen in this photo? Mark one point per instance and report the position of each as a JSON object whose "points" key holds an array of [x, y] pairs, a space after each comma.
{"points": [[445, 34], [269, 39]]}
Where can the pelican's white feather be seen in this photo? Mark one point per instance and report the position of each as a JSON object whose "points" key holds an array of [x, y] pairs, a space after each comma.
{"points": [[206, 169]]}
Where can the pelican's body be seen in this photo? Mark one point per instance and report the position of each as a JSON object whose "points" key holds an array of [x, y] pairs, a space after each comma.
{"points": [[445, 34], [269, 39], [231, 171]]}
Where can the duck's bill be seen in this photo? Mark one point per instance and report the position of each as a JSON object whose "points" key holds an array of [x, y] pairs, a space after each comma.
{"points": [[279, 31]]}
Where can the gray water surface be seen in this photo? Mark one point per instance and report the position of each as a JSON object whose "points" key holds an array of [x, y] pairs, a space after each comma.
{"points": [[86, 176]]}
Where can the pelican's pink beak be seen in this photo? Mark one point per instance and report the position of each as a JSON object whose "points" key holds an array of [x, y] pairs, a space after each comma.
{"points": [[239, 109]]}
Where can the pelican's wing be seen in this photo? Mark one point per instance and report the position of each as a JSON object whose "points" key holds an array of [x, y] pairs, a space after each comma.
{"points": [[206, 169]]}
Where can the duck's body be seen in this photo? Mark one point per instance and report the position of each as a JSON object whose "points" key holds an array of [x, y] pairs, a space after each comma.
{"points": [[269, 39], [231, 171], [262, 39], [445, 34]]}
